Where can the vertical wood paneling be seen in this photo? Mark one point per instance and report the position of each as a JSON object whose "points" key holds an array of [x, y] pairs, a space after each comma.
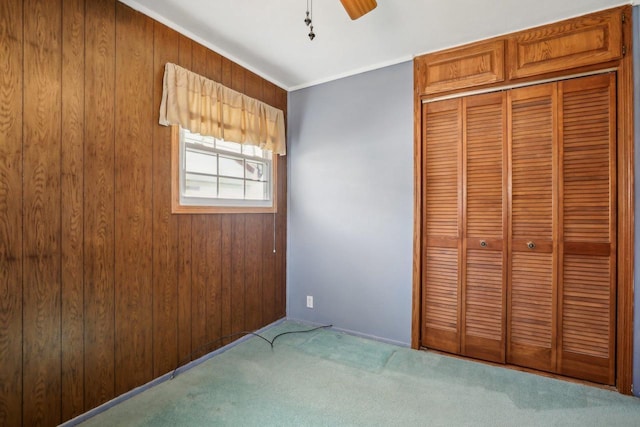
{"points": [[133, 215], [165, 225], [238, 235], [41, 227], [11, 284], [267, 273], [227, 238], [207, 275], [73, 33], [199, 285], [253, 242], [238, 238], [226, 222], [212, 253], [99, 202], [116, 290], [253, 264], [269, 256], [184, 243], [281, 222]]}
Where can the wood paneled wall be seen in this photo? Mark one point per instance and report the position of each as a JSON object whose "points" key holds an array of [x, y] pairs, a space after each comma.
{"points": [[102, 289]]}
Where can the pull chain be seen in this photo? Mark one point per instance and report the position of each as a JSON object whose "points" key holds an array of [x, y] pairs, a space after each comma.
{"points": [[274, 232]]}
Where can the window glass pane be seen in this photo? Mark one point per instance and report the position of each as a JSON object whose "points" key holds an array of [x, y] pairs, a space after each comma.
{"points": [[253, 151], [255, 171], [234, 147], [231, 167], [223, 173], [200, 185], [196, 138], [231, 188], [201, 162], [256, 190]]}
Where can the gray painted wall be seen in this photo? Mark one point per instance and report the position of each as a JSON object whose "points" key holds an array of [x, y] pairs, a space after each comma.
{"points": [[636, 112], [350, 189]]}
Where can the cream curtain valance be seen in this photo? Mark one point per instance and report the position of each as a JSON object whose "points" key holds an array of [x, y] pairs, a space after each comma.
{"points": [[209, 108]]}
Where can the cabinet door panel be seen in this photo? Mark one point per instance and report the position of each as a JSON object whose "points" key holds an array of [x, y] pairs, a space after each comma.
{"points": [[531, 340], [442, 140], [564, 45]]}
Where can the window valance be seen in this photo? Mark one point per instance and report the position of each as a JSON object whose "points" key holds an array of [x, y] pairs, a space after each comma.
{"points": [[206, 107]]}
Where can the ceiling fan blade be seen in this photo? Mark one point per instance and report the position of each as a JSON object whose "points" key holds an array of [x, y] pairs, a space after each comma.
{"points": [[357, 8]]}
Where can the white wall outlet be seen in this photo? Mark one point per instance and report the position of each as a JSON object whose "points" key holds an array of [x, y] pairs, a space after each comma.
{"points": [[309, 301]]}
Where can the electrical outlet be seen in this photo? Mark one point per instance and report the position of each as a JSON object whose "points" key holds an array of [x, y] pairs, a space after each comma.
{"points": [[309, 301]]}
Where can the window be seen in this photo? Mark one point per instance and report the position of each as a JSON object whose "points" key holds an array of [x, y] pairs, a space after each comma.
{"points": [[215, 176]]}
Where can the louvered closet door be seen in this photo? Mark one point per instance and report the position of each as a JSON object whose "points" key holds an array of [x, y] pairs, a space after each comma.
{"points": [[532, 301], [588, 232], [442, 141], [484, 227]]}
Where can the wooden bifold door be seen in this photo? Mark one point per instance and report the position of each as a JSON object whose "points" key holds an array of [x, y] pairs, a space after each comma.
{"points": [[519, 227]]}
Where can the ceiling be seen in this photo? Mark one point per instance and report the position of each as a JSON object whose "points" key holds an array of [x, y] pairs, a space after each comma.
{"points": [[269, 37]]}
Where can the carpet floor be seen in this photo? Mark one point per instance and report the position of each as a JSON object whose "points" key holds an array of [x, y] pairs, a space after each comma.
{"points": [[328, 378]]}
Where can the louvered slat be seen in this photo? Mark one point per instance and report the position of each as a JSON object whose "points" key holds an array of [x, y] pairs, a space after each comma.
{"points": [[484, 130], [483, 315], [585, 316], [532, 168], [586, 139], [441, 296], [441, 166], [531, 299]]}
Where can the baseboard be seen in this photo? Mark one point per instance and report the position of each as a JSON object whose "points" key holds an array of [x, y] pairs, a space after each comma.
{"points": [[128, 395], [354, 333]]}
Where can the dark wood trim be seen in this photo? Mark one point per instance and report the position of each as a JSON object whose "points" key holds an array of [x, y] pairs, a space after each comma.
{"points": [[416, 306], [626, 200]]}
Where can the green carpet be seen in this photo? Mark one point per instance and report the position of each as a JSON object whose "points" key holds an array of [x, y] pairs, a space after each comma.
{"points": [[328, 378]]}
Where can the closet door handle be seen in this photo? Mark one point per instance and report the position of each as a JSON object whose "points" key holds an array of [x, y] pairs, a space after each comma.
{"points": [[531, 245], [483, 243]]}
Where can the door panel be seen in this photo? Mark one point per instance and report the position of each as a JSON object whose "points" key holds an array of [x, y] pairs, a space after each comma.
{"points": [[484, 279], [520, 227], [587, 303], [532, 316], [441, 276]]}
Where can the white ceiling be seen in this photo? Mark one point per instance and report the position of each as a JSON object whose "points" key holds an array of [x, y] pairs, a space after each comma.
{"points": [[269, 37]]}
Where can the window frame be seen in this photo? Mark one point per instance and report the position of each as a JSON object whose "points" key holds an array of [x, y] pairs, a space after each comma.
{"points": [[176, 201]]}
